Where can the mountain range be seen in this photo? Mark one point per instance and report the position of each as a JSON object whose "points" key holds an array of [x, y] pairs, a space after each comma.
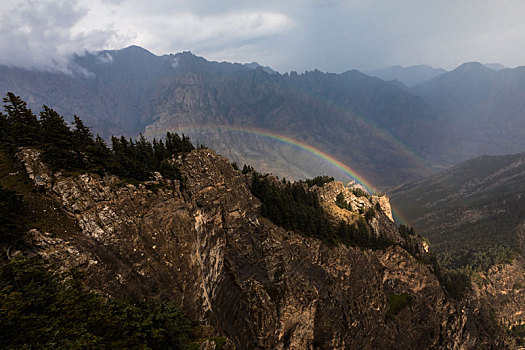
{"points": [[480, 108], [131, 90], [293, 125]]}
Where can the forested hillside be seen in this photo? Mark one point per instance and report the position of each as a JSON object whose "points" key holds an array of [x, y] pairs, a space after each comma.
{"points": [[473, 213]]}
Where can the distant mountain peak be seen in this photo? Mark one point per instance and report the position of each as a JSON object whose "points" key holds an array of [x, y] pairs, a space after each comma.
{"points": [[186, 54], [471, 67], [136, 50], [184, 57]]}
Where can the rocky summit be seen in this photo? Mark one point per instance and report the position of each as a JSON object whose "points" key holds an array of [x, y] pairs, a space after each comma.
{"points": [[202, 243]]}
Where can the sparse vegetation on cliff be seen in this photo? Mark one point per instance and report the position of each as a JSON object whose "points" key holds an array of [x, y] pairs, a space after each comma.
{"points": [[397, 303], [342, 203]]}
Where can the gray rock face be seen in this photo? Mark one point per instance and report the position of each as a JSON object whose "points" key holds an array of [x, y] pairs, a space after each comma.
{"points": [[203, 244]]}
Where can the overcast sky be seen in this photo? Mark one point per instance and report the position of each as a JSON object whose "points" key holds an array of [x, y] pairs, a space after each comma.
{"points": [[331, 35]]}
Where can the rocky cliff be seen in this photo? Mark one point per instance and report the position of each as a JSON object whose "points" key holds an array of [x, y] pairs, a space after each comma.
{"points": [[203, 244]]}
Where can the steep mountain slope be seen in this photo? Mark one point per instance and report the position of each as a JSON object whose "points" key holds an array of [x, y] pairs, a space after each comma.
{"points": [[205, 246], [409, 76], [474, 217], [402, 117], [474, 208], [130, 91], [481, 110]]}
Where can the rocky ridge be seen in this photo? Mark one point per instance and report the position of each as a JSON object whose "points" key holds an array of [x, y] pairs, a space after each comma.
{"points": [[203, 244], [329, 192]]}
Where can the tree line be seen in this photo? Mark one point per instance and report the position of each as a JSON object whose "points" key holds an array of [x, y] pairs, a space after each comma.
{"points": [[77, 149]]}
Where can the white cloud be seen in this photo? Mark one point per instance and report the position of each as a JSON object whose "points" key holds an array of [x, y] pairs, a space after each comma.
{"points": [[43, 34], [168, 27]]}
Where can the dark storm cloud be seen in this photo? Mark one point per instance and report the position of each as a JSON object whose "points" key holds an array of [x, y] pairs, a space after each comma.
{"points": [[332, 35]]}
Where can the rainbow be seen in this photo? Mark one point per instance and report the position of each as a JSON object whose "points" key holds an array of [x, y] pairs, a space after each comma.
{"points": [[288, 140]]}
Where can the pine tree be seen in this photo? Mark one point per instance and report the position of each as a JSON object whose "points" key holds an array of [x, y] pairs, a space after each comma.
{"points": [[82, 136], [82, 143], [5, 132], [25, 129], [57, 140], [144, 153], [100, 157], [159, 151], [187, 146]]}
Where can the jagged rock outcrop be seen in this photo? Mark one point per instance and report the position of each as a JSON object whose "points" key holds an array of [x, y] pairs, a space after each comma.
{"points": [[203, 244], [330, 190]]}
